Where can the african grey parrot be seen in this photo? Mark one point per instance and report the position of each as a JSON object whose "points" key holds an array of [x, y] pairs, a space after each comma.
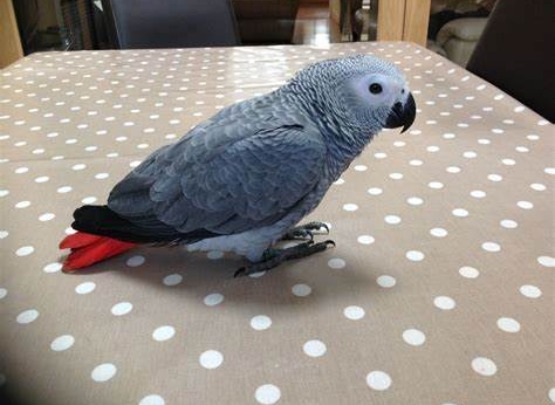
{"points": [[241, 180]]}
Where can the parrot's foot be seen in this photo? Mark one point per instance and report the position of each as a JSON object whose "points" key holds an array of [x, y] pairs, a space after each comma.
{"points": [[274, 257], [306, 231]]}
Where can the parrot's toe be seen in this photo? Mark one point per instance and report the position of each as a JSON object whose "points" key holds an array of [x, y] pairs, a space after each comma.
{"points": [[275, 257], [307, 231]]}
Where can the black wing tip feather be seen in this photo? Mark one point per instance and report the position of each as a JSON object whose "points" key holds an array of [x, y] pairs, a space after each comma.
{"points": [[101, 220]]}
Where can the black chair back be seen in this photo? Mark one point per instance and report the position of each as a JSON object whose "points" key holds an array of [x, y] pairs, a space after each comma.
{"points": [[516, 53], [135, 24]]}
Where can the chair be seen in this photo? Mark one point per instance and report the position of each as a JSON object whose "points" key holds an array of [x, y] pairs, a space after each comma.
{"points": [[134, 24], [266, 21], [515, 53]]}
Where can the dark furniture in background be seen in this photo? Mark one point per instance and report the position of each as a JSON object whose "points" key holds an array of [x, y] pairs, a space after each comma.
{"points": [[266, 21], [513, 53], [136, 24]]}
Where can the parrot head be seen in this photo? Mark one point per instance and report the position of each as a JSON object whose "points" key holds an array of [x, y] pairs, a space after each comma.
{"points": [[365, 91]]}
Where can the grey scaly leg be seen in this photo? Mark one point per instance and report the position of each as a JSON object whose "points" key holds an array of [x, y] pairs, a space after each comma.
{"points": [[274, 257]]}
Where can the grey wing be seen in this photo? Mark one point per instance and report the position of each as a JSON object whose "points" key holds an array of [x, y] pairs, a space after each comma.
{"points": [[195, 188]]}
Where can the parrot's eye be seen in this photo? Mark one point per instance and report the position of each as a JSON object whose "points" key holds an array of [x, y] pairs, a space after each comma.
{"points": [[375, 88]]}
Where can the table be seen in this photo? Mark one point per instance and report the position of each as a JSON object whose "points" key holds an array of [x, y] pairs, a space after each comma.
{"points": [[440, 290]]}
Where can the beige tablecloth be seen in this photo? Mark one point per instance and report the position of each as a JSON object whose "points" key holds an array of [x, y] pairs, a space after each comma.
{"points": [[440, 290]]}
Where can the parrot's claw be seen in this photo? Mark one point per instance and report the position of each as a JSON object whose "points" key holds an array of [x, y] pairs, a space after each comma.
{"points": [[307, 231], [274, 257]]}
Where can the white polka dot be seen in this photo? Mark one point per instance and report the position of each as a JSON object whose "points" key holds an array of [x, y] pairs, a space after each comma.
{"points": [[104, 372], [469, 272], [551, 394], [62, 343], [122, 308], [453, 169], [361, 168], [538, 187], [438, 232], [339, 182], [42, 179], [380, 155], [415, 255], [415, 201], [257, 274], [508, 223], [354, 312], [375, 191], [525, 205], [211, 359], [101, 176], [460, 212], [172, 279], [3, 293], [378, 380], [47, 217], [336, 263], [152, 399], [508, 162], [213, 299], [365, 239], [416, 162], [495, 177], [530, 291], [25, 250], [350, 207], [21, 170], [23, 204], [546, 261], [89, 200], [79, 166], [396, 176], [392, 219], [260, 322], [491, 247], [163, 333], [28, 316], [445, 303], [135, 261], [314, 348], [484, 366], [215, 254], [478, 193], [85, 288], [386, 281], [4, 234], [432, 148], [64, 189], [301, 290], [414, 337], [509, 325], [52, 267], [267, 394], [4, 193], [470, 154], [549, 170], [435, 185]]}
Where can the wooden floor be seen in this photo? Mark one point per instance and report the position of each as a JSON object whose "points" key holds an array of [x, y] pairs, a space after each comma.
{"points": [[314, 26]]}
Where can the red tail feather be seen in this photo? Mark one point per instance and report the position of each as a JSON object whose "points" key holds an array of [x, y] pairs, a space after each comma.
{"points": [[87, 249]]}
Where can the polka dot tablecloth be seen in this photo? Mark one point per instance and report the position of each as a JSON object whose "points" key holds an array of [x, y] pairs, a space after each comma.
{"points": [[439, 291]]}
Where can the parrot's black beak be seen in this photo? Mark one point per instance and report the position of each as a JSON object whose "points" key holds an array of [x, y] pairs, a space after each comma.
{"points": [[402, 115]]}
